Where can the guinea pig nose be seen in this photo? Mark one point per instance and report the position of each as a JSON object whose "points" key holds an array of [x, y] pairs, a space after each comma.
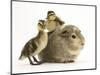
{"points": [[73, 36]]}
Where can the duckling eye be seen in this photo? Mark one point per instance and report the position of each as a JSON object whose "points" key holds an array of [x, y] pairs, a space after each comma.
{"points": [[39, 23]]}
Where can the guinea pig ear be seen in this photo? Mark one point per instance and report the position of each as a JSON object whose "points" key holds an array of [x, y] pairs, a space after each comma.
{"points": [[63, 33]]}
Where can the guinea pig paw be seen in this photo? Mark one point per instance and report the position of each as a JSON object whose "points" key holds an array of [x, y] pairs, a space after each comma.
{"points": [[68, 61], [71, 61]]}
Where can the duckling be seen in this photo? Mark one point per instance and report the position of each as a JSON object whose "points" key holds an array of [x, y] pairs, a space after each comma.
{"points": [[53, 21], [35, 45]]}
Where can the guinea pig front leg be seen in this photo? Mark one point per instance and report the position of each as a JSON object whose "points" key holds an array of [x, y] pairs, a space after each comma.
{"points": [[69, 61], [59, 60]]}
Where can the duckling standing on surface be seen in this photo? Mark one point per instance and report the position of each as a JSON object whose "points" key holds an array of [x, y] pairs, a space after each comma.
{"points": [[36, 45]]}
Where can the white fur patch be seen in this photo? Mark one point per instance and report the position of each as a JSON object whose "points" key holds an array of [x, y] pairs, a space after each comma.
{"points": [[63, 26]]}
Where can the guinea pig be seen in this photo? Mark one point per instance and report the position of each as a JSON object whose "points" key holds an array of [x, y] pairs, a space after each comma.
{"points": [[64, 45]]}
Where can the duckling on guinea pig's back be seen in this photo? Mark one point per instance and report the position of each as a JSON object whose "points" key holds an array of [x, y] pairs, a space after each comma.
{"points": [[53, 21]]}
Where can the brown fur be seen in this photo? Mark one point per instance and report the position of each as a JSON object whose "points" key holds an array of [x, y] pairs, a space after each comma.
{"points": [[62, 47]]}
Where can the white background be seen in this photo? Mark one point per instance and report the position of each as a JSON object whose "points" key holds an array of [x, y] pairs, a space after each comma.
{"points": [[5, 28], [25, 18]]}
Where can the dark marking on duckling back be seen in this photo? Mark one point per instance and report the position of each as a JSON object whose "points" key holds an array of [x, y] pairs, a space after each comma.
{"points": [[29, 48]]}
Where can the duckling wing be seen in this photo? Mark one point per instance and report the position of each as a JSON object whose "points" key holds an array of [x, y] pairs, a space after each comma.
{"points": [[32, 45]]}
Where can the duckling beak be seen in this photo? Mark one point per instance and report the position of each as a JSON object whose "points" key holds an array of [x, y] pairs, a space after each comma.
{"points": [[46, 30]]}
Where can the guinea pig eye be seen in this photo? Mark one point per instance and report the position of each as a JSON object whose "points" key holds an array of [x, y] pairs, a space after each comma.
{"points": [[73, 36]]}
